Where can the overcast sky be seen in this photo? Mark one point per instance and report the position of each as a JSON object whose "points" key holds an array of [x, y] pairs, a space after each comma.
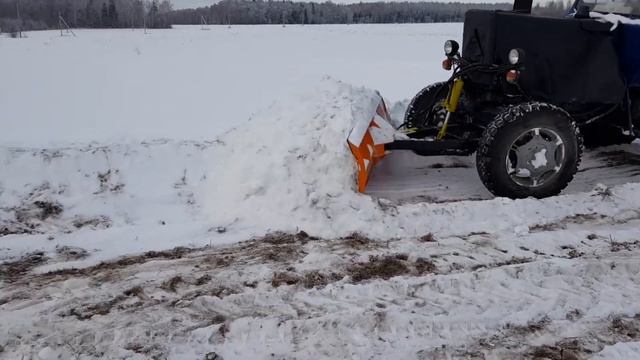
{"points": [[183, 4]]}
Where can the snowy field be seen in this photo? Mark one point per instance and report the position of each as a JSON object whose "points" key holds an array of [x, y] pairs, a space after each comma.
{"points": [[188, 194], [192, 84]]}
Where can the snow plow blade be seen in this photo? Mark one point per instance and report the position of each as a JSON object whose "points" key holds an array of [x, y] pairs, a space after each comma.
{"points": [[368, 138]]}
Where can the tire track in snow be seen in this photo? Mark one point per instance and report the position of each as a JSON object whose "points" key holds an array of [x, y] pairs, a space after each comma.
{"points": [[237, 313], [404, 177]]}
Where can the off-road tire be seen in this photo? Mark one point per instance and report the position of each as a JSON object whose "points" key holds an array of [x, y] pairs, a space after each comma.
{"points": [[497, 138], [422, 104]]}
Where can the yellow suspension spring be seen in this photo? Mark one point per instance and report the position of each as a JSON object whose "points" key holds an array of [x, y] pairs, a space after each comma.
{"points": [[451, 105]]}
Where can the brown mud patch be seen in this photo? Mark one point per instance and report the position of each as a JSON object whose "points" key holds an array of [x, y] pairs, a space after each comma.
{"points": [[577, 219], [388, 266], [12, 271]]}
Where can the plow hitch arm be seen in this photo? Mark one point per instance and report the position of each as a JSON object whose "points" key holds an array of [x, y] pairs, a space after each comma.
{"points": [[373, 136], [435, 148]]}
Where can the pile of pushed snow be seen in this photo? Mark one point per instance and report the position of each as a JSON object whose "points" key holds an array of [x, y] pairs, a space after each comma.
{"points": [[287, 168], [290, 165]]}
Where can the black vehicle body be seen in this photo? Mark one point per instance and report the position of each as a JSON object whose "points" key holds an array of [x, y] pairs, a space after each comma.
{"points": [[577, 64]]}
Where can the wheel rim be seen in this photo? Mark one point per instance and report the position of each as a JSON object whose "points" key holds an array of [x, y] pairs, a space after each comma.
{"points": [[535, 157]]}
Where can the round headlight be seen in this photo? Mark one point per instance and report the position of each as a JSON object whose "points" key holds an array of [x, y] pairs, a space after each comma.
{"points": [[515, 55], [451, 47]]}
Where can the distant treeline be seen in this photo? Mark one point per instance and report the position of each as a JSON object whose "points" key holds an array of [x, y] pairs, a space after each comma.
{"points": [[552, 8], [16, 15], [290, 12], [43, 14]]}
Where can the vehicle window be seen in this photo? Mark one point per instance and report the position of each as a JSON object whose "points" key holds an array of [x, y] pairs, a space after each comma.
{"points": [[557, 8], [623, 7]]}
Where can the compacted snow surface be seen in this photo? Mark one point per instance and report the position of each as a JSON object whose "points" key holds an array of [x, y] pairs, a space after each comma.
{"points": [[242, 236]]}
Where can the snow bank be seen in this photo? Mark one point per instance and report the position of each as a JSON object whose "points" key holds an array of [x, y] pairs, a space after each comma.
{"points": [[287, 168], [290, 166]]}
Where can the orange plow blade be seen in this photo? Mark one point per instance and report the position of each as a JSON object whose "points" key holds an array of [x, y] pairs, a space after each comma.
{"points": [[367, 140]]}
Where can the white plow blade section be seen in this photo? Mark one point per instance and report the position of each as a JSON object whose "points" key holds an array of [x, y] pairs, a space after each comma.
{"points": [[367, 139]]}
